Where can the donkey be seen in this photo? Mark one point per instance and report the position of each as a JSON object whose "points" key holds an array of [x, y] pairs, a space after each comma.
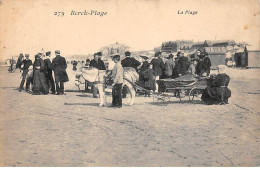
{"points": [[99, 79]]}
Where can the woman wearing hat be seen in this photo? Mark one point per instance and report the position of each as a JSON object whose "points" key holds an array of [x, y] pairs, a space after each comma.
{"points": [[39, 80]]}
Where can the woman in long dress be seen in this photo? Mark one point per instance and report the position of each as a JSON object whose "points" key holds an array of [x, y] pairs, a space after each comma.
{"points": [[39, 80]]}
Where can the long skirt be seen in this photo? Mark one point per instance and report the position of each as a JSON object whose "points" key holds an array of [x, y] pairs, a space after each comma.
{"points": [[40, 83], [217, 95]]}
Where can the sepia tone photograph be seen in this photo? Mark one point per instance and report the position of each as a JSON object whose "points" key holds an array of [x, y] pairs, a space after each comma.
{"points": [[129, 83]]}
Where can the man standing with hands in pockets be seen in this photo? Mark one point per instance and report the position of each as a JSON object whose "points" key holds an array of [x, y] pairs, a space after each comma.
{"points": [[117, 76], [59, 66]]}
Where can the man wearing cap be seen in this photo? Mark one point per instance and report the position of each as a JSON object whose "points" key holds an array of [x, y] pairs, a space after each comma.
{"points": [[182, 64], [48, 72], [26, 64], [158, 67], [117, 76], [129, 61], [169, 66], [59, 65], [217, 91], [99, 64], [203, 67]]}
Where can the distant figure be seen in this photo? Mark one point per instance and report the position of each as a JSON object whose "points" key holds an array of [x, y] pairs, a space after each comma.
{"points": [[217, 91], [169, 66], [39, 80], [59, 66], [75, 63], [48, 72], [26, 64], [117, 76]]}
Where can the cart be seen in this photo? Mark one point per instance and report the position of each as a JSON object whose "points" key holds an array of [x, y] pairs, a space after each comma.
{"points": [[189, 90]]}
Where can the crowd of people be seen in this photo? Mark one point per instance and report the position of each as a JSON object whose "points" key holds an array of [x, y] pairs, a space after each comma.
{"points": [[38, 74], [174, 67]]}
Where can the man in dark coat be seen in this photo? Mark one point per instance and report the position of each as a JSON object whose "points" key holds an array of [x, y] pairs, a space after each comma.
{"points": [[48, 72], [129, 62], [26, 64], [206, 64], [158, 67], [59, 65], [181, 65], [203, 67], [144, 67], [99, 64], [217, 91]]}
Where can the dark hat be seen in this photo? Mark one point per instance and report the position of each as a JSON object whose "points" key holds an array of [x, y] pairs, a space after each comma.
{"points": [[21, 55], [170, 56], [116, 57], [127, 53], [26, 55], [157, 54], [48, 53], [99, 53], [87, 60], [57, 51]]}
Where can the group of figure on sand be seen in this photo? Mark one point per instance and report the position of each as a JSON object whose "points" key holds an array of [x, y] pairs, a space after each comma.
{"points": [[179, 68], [38, 74]]}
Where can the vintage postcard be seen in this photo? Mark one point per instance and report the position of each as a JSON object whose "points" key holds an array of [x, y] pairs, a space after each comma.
{"points": [[129, 83]]}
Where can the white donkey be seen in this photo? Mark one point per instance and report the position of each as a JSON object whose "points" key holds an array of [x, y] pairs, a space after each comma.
{"points": [[98, 78]]}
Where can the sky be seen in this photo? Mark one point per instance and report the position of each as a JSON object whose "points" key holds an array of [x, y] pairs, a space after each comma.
{"points": [[27, 26]]}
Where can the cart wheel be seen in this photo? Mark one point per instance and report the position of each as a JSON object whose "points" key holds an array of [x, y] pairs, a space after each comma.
{"points": [[194, 92], [181, 94]]}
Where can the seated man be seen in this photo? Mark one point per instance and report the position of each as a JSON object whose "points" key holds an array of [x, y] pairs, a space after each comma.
{"points": [[217, 91]]}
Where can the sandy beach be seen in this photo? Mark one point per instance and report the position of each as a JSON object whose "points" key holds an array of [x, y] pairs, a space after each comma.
{"points": [[72, 130]]}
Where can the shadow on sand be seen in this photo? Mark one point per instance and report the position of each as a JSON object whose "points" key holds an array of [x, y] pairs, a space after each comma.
{"points": [[165, 103], [82, 104]]}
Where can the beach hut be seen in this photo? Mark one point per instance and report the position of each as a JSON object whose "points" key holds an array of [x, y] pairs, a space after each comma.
{"points": [[217, 56], [248, 57], [253, 57]]}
